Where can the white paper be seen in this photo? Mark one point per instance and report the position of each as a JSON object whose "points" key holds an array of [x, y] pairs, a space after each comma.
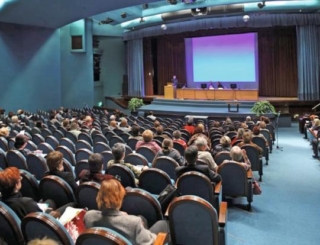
{"points": [[69, 214]]}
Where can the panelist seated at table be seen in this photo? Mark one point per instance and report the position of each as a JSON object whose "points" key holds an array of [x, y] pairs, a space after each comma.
{"points": [[211, 86], [220, 86]]}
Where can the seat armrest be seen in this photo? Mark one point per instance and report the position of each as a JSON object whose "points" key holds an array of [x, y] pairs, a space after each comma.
{"points": [[166, 214], [162, 238], [223, 213], [218, 188], [249, 174]]}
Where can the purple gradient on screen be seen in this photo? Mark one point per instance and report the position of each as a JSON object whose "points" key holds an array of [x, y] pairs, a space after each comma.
{"points": [[225, 58]]}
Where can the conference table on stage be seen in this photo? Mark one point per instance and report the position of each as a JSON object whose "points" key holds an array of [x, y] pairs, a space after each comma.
{"points": [[217, 94]]}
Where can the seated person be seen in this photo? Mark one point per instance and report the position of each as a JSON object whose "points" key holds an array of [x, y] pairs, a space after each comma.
{"points": [[263, 126], [20, 144], [247, 140], [204, 154], [225, 144], [199, 132], [5, 132], [113, 124], [124, 125], [256, 133], [248, 120], [211, 86], [66, 124], [190, 127], [239, 135], [135, 132], [74, 129], [239, 156], [169, 151], [109, 201], [94, 173], [43, 241], [151, 116], [118, 151], [55, 165], [177, 138], [10, 185], [220, 86], [147, 141], [191, 156], [159, 132]]}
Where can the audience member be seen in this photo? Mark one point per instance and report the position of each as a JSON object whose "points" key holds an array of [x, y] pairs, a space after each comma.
{"points": [[55, 165], [239, 156], [43, 241], [225, 144], [239, 135], [248, 120], [169, 151], [177, 138], [5, 132], [256, 133], [74, 129], [247, 140], [151, 116], [204, 154], [199, 132], [147, 136], [190, 127], [124, 125], [109, 201], [113, 125], [20, 144], [191, 156], [159, 132], [94, 173], [135, 132]]}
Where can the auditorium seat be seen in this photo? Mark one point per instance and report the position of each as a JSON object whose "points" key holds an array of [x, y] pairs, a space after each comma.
{"points": [[166, 164], [255, 160], [136, 159], [154, 180], [29, 185], [16, 159], [125, 174], [37, 165], [86, 195], [83, 154], [82, 144], [3, 159], [221, 156], [68, 143], [147, 153]]}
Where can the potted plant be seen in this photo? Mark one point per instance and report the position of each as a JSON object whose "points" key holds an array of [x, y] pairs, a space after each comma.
{"points": [[135, 103], [262, 107]]}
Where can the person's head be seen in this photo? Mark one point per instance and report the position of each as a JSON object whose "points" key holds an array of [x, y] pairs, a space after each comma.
{"points": [[228, 120], [118, 151], [20, 141], [225, 141], [190, 121], [247, 137], [4, 132], [256, 130], [20, 112], [110, 195], [55, 161], [135, 129], [112, 117], [199, 129], [244, 125], [231, 127], [15, 119], [262, 125], [216, 124], [95, 162], [236, 153], [113, 123], [159, 130], [240, 133], [266, 120], [174, 77], [10, 114], [88, 120], [248, 119], [124, 122], [156, 123], [10, 181], [167, 144], [65, 123], [176, 134], [39, 124], [74, 126], [191, 155], [262, 118], [150, 113], [201, 143], [43, 241], [147, 135]]}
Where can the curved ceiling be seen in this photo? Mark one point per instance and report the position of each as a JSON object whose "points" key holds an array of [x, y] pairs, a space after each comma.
{"points": [[127, 14]]}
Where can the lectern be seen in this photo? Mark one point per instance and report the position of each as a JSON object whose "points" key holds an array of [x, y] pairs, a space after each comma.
{"points": [[169, 91]]}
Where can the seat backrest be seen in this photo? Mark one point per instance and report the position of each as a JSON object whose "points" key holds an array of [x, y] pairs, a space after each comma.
{"points": [[10, 226], [3, 159], [179, 148], [166, 164], [71, 137], [51, 140], [16, 159], [100, 147], [136, 159], [201, 219], [82, 144], [197, 184], [58, 134], [126, 175], [214, 143], [114, 140], [37, 165], [234, 179], [36, 130], [83, 154], [67, 154], [147, 153], [100, 138], [132, 143], [141, 202], [55, 188], [221, 156], [86, 195], [31, 146], [107, 156], [37, 139], [45, 148], [39, 225], [29, 185], [154, 180], [259, 141], [4, 144], [125, 136], [86, 137], [81, 165], [128, 150], [101, 236], [68, 143], [253, 156]]}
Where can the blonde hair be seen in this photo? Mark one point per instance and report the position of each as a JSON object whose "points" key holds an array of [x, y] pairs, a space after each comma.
{"points": [[225, 141], [110, 195], [147, 135], [43, 241], [15, 119], [4, 131]]}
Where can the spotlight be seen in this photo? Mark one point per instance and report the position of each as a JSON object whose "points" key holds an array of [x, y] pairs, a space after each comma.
{"points": [[246, 18], [141, 20], [145, 6], [261, 5], [124, 15], [172, 2], [164, 27]]}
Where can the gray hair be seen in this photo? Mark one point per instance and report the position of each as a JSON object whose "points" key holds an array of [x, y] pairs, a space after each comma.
{"points": [[236, 153]]}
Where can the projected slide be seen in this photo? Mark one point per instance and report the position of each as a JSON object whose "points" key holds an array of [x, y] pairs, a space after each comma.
{"points": [[225, 58]]}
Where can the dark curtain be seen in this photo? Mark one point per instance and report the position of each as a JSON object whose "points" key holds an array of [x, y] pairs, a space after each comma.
{"points": [[277, 53], [148, 67]]}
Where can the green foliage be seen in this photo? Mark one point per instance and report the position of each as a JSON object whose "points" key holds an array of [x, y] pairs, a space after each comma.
{"points": [[262, 107], [135, 103]]}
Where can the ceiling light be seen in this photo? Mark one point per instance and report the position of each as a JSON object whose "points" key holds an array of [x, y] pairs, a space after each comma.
{"points": [[172, 2], [261, 5], [124, 15]]}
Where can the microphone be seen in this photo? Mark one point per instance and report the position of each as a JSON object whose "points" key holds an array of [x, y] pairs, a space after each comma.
{"points": [[279, 112]]}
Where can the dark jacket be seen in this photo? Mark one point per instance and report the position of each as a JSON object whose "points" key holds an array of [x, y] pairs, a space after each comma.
{"points": [[85, 175], [214, 177], [66, 176], [21, 205]]}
